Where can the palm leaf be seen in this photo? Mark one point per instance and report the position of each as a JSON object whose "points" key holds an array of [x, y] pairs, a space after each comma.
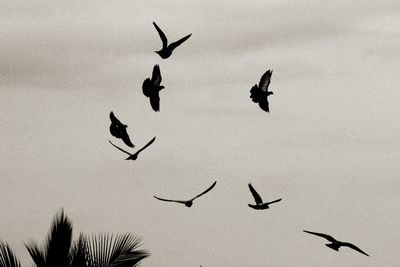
{"points": [[80, 256], [116, 251], [56, 252], [7, 256]]}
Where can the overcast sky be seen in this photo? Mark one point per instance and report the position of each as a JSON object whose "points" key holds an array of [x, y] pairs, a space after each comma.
{"points": [[329, 147]]}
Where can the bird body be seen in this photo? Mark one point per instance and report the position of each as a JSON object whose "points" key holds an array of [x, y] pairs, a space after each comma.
{"points": [[188, 203], [136, 154], [259, 93], [118, 130], [167, 50], [260, 205], [336, 244], [151, 88]]}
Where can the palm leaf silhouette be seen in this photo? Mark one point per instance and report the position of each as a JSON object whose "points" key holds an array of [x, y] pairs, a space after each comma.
{"points": [[80, 256], [56, 251], [7, 256], [116, 251]]}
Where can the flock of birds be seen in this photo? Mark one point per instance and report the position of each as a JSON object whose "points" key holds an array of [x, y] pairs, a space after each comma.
{"points": [[258, 93]]}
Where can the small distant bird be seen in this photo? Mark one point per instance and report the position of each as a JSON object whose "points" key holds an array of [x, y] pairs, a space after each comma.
{"points": [[188, 203], [166, 50], [335, 244], [151, 88], [118, 130], [259, 94], [259, 203], [136, 154]]}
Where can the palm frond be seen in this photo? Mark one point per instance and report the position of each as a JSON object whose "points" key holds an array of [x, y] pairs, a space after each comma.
{"points": [[116, 251], [80, 256], [7, 256], [56, 252]]}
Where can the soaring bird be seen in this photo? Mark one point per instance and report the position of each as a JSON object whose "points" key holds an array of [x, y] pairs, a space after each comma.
{"points": [[259, 94], [118, 130], [335, 244], [166, 50], [136, 154], [188, 203], [259, 203], [151, 88]]}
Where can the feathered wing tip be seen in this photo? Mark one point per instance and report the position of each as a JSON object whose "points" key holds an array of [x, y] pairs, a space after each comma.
{"points": [[119, 250], [56, 251], [255, 94], [7, 256]]}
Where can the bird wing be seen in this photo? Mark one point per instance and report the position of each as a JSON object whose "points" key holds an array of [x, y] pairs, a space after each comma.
{"points": [[146, 87], [114, 119], [126, 139], [170, 200], [162, 35], [156, 78], [174, 45], [274, 201], [327, 237], [120, 148], [256, 196], [155, 101], [354, 247], [208, 189], [265, 80], [149, 143], [263, 103]]}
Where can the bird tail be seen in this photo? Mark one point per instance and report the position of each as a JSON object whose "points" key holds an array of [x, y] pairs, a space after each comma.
{"points": [[254, 94]]}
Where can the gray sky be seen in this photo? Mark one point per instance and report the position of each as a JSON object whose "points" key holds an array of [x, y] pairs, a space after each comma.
{"points": [[329, 147]]}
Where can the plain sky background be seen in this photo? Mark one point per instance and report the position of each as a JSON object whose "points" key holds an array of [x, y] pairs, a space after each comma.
{"points": [[330, 146]]}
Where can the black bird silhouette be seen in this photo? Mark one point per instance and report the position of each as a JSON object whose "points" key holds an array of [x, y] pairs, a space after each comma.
{"points": [[259, 203], [136, 154], [118, 130], [335, 244], [259, 94], [166, 50], [151, 88], [188, 203]]}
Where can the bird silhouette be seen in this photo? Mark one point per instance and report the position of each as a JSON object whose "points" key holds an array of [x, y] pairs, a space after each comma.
{"points": [[260, 205], [166, 50], [335, 244], [118, 130], [136, 154], [188, 203], [259, 94], [151, 88]]}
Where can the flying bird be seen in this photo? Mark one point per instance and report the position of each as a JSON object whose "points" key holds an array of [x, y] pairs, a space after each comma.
{"points": [[335, 244], [136, 154], [118, 130], [166, 50], [259, 94], [151, 88], [260, 205], [188, 203]]}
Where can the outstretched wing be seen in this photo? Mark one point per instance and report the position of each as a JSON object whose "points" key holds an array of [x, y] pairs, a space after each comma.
{"points": [[174, 45], [120, 148], [156, 78], [256, 196], [170, 200], [149, 143], [274, 201], [155, 101], [354, 247], [162, 35], [327, 237], [263, 103], [208, 189], [265, 81], [114, 119]]}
